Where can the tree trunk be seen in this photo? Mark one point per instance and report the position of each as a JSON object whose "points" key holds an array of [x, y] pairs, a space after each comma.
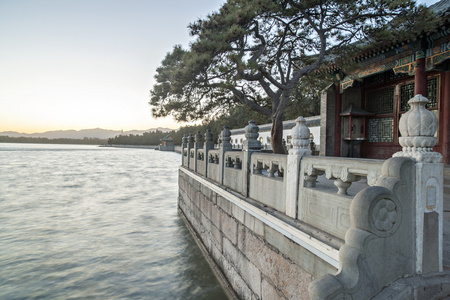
{"points": [[276, 134]]}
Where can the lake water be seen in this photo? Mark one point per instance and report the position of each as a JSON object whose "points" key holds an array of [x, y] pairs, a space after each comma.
{"points": [[86, 222]]}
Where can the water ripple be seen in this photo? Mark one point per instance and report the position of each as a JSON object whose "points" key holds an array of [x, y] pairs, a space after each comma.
{"points": [[83, 222]]}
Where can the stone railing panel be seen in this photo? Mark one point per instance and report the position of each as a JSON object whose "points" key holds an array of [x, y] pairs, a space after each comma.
{"points": [[326, 211], [213, 171], [185, 157], [326, 208], [192, 159], [379, 245], [201, 162], [342, 170], [233, 173], [267, 184]]}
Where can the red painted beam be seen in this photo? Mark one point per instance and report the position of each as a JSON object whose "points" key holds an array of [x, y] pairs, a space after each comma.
{"points": [[337, 122]]}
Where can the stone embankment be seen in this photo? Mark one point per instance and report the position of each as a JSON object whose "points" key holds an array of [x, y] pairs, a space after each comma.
{"points": [[298, 226]]}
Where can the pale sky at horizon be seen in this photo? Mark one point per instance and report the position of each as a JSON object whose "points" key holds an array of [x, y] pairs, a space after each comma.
{"points": [[67, 64], [81, 64]]}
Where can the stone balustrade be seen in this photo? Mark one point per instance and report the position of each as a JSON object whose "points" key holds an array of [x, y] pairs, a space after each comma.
{"points": [[327, 206], [375, 221], [233, 173], [273, 179], [201, 162], [212, 165], [192, 160], [272, 165], [267, 184], [233, 160], [344, 171]]}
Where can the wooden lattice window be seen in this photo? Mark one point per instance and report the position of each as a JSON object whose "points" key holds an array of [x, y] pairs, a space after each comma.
{"points": [[381, 101], [380, 130], [407, 92], [432, 91]]}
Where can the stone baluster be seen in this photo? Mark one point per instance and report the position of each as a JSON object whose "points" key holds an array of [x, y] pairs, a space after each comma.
{"points": [[198, 144], [300, 142], [257, 169], [280, 172], [225, 138], [251, 141], [271, 169], [191, 141], [343, 179], [184, 141], [238, 163], [198, 140], [229, 162], [190, 145], [311, 175], [417, 128], [342, 186], [310, 181], [208, 145], [184, 150], [200, 156], [250, 145], [209, 141]]}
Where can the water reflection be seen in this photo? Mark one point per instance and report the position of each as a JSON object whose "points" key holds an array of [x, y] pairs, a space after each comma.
{"points": [[82, 222]]}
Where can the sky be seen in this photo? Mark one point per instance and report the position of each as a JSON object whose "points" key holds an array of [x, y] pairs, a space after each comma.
{"points": [[81, 64]]}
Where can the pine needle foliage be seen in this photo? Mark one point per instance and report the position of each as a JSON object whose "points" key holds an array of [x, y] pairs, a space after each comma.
{"points": [[255, 52]]}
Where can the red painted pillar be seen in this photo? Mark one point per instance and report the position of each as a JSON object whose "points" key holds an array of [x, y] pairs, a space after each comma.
{"points": [[444, 119], [337, 124], [420, 78]]}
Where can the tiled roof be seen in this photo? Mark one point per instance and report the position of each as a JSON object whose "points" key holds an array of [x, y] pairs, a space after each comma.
{"points": [[441, 8]]}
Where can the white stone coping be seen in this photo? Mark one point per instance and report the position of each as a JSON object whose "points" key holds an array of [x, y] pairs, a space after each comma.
{"points": [[344, 168], [318, 248], [267, 159]]}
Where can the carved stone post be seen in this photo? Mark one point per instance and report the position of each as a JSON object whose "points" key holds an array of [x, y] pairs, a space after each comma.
{"points": [[190, 145], [198, 144], [300, 143], [208, 145], [396, 225], [184, 154], [417, 128], [250, 145], [225, 138], [198, 140]]}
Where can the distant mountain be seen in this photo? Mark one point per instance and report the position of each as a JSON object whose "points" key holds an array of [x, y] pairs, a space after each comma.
{"points": [[81, 134]]}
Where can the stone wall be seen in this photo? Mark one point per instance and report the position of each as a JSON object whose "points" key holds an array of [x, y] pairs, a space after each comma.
{"points": [[279, 226], [258, 260]]}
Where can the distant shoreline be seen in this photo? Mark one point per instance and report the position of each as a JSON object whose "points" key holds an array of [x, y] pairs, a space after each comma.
{"points": [[176, 150], [61, 141], [131, 146]]}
